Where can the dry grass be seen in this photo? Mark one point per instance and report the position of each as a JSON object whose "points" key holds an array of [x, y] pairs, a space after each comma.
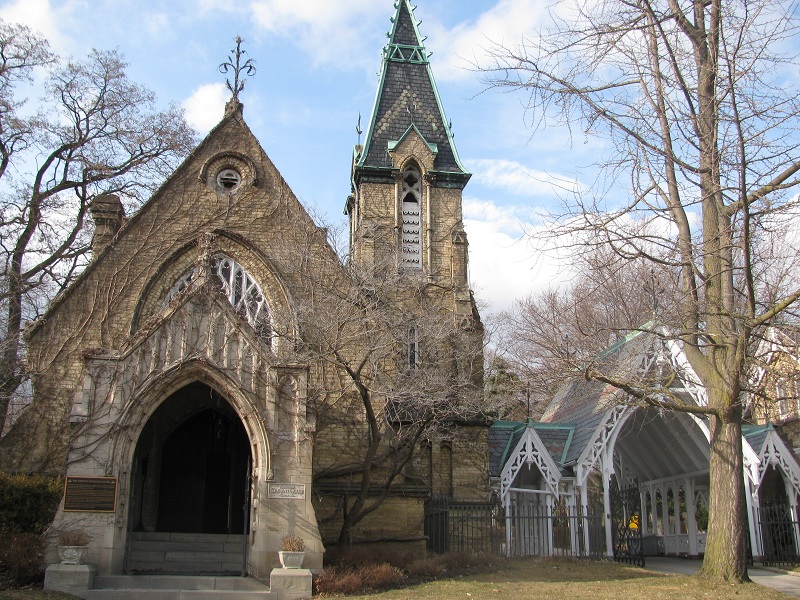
{"points": [[575, 580], [559, 579]]}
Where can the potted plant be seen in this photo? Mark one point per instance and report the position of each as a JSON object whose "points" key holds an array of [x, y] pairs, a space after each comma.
{"points": [[73, 545], [292, 552]]}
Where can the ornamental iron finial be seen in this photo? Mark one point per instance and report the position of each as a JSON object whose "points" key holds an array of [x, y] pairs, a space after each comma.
{"points": [[240, 70]]}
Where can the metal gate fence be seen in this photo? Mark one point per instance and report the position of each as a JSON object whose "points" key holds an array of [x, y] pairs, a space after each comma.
{"points": [[626, 530], [460, 526], [558, 530], [528, 529], [779, 534]]}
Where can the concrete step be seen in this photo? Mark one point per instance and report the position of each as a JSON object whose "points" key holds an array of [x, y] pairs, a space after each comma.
{"points": [[185, 553], [166, 536], [184, 587]]}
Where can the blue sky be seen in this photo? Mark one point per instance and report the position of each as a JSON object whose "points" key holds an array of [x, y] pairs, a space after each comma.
{"points": [[317, 69]]}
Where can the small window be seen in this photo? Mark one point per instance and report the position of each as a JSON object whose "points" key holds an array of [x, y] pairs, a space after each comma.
{"points": [[229, 180]]}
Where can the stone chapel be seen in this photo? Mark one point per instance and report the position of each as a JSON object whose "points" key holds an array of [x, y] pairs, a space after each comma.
{"points": [[202, 376]]}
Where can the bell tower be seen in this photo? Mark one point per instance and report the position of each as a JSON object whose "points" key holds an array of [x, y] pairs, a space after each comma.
{"points": [[407, 179]]}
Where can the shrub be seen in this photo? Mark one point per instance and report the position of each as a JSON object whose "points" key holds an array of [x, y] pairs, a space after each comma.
{"points": [[425, 568], [348, 580], [28, 503], [21, 556], [380, 577], [369, 555]]}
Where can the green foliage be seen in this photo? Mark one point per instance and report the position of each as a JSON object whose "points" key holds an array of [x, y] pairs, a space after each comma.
{"points": [[28, 503]]}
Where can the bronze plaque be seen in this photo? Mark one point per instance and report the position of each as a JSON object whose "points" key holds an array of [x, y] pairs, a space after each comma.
{"points": [[90, 494]]}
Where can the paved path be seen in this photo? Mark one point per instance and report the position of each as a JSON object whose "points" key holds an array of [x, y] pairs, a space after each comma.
{"points": [[781, 581]]}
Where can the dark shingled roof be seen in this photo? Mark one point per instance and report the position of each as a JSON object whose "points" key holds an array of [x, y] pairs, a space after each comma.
{"points": [[756, 435], [505, 435], [407, 96], [583, 403]]}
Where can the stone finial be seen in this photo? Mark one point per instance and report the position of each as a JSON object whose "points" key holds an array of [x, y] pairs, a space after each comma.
{"points": [[108, 216]]}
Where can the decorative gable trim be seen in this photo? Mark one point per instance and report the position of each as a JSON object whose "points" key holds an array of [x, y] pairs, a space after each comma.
{"points": [[530, 450], [775, 453]]}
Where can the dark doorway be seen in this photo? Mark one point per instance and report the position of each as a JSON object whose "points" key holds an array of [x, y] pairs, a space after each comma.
{"points": [[778, 527], [192, 462]]}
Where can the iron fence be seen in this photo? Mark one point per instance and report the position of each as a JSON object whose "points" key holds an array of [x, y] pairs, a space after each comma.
{"points": [[779, 534], [460, 527], [527, 529]]}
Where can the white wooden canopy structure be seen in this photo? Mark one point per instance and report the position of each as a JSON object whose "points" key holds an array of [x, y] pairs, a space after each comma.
{"points": [[557, 478]]}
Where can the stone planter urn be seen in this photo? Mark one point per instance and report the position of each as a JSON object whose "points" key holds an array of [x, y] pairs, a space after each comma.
{"points": [[292, 552], [291, 560], [72, 555], [73, 546]]}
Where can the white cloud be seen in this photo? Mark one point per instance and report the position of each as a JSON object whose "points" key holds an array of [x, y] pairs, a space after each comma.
{"points": [[505, 23], [330, 32], [518, 179], [41, 17], [505, 264], [205, 107]]}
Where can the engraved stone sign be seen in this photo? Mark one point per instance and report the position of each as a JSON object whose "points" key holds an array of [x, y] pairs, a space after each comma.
{"points": [[90, 494], [287, 491]]}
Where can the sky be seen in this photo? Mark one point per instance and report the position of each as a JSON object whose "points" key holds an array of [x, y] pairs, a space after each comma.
{"points": [[317, 67]]}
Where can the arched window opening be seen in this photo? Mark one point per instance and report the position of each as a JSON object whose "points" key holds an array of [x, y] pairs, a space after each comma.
{"points": [[242, 292], [181, 284], [411, 230]]}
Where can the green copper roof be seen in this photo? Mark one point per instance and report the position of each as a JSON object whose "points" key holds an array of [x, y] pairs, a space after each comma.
{"points": [[407, 97]]}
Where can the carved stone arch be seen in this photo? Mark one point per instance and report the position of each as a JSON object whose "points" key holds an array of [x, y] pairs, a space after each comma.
{"points": [[177, 262], [162, 385], [412, 162], [196, 255]]}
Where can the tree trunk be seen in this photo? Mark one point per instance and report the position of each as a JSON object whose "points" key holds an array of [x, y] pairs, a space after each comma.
{"points": [[726, 543]]}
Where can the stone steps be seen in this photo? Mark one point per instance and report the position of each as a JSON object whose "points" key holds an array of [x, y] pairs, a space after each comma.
{"points": [[177, 587], [185, 553]]}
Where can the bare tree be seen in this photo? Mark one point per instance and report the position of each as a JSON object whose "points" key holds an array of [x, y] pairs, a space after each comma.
{"points": [[558, 331], [399, 371], [95, 132], [699, 102]]}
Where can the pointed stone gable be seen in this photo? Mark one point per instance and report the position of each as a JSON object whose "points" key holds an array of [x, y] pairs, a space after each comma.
{"points": [[408, 97]]}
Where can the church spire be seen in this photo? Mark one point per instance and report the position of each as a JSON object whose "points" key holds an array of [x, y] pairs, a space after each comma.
{"points": [[408, 98]]}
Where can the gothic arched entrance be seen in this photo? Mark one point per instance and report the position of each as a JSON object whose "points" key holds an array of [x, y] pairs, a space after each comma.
{"points": [[191, 465], [191, 475]]}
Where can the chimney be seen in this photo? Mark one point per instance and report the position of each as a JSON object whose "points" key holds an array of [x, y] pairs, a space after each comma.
{"points": [[108, 216]]}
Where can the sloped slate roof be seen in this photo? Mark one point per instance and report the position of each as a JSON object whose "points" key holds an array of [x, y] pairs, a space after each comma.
{"points": [[583, 403], [407, 96], [505, 435], [756, 435]]}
